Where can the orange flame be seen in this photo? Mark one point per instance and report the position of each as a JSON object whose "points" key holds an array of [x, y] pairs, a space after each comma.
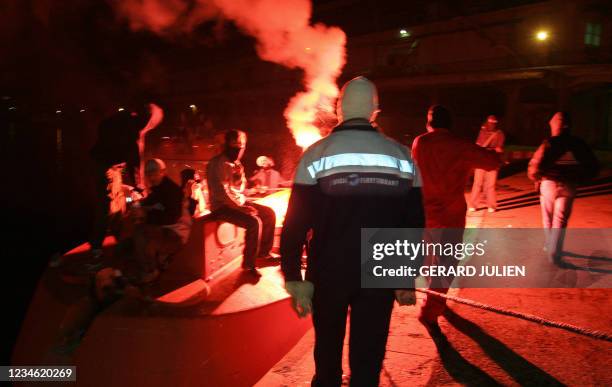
{"points": [[327, 59], [301, 114], [278, 202]]}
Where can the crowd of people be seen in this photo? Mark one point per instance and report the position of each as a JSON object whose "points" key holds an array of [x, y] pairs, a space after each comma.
{"points": [[147, 211], [358, 178], [354, 178]]}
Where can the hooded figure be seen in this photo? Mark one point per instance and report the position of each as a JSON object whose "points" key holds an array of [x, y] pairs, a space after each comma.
{"points": [[226, 183], [354, 178], [120, 140]]}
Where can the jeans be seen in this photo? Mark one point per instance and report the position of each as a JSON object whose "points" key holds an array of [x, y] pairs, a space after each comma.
{"points": [[556, 199], [259, 228], [484, 181], [370, 317]]}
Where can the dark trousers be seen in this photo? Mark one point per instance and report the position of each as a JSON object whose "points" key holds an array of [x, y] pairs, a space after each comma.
{"points": [[434, 306], [370, 316], [153, 244], [101, 206], [259, 234]]}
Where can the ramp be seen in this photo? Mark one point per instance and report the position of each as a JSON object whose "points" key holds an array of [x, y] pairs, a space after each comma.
{"points": [[200, 325]]}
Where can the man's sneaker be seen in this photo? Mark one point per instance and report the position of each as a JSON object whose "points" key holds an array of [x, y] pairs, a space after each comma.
{"points": [[471, 209], [491, 209], [270, 256], [251, 271]]}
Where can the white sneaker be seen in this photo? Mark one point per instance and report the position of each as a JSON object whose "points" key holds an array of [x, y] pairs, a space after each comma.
{"points": [[471, 209], [491, 209]]}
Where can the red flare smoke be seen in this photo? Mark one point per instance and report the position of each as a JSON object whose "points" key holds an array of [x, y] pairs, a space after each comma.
{"points": [[284, 36]]}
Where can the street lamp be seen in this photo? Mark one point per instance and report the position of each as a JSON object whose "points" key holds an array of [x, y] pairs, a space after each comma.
{"points": [[404, 33], [542, 35]]}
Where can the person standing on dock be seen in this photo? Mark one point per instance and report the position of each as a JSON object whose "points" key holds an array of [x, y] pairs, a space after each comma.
{"points": [[352, 179], [492, 138], [558, 165], [445, 161]]}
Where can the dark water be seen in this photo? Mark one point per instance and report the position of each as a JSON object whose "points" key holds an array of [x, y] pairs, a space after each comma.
{"points": [[46, 197]]}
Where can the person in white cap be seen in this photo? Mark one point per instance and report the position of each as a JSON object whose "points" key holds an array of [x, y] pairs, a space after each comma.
{"points": [[266, 177], [355, 177], [492, 138]]}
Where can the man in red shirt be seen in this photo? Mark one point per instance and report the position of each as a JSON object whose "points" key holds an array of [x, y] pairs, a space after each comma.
{"points": [[445, 162]]}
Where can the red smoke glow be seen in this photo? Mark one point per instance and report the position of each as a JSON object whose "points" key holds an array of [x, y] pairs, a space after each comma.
{"points": [[284, 36]]}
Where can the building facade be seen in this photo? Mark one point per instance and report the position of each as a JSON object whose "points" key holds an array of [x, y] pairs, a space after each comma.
{"points": [[520, 60]]}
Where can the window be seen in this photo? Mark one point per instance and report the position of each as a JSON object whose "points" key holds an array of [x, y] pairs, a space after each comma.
{"points": [[592, 35]]}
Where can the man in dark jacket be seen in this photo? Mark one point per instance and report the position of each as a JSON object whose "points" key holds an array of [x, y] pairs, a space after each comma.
{"points": [[559, 164], [162, 231], [120, 141], [354, 178]]}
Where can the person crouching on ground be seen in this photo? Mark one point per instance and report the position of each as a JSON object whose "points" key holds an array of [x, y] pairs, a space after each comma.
{"points": [[165, 223], [120, 141]]}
